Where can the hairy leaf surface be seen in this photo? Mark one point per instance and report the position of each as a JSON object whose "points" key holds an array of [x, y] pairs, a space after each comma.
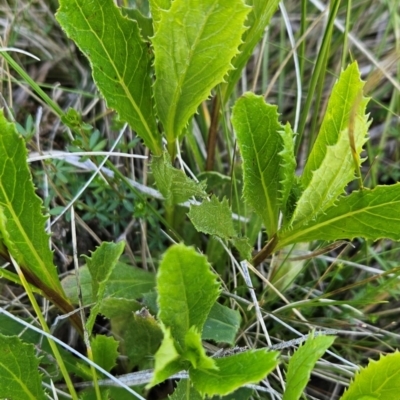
{"points": [[346, 94], [19, 374], [257, 128], [368, 213], [302, 363], [194, 44], [213, 217], [187, 290], [105, 351], [119, 58], [379, 380], [254, 366]]}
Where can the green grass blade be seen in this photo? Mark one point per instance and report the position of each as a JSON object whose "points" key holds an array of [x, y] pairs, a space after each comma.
{"points": [[119, 58], [193, 46]]}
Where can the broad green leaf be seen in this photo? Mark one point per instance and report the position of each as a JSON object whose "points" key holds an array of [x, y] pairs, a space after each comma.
{"points": [[302, 363], [142, 336], [213, 217], [167, 360], [22, 224], [257, 129], [19, 374], [257, 20], [156, 8], [185, 391], [119, 58], [100, 265], [221, 325], [173, 184], [380, 380], [234, 371], [187, 290], [194, 351], [126, 282], [244, 247], [240, 394], [105, 351], [193, 46], [288, 166], [345, 95], [368, 213]]}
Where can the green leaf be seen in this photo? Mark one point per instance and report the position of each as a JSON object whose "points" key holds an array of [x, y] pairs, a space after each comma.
{"points": [[288, 166], [126, 282], [100, 265], [257, 20], [213, 217], [119, 58], [145, 23], [173, 184], [221, 325], [185, 391], [345, 95], [257, 129], [142, 336], [194, 351], [368, 213], [302, 363], [379, 380], [167, 360], [105, 351], [254, 366], [194, 44], [19, 375], [22, 224], [244, 247], [187, 290], [156, 7]]}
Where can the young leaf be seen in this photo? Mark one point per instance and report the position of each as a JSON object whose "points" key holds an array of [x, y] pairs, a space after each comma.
{"points": [[187, 290], [21, 220], [105, 351], [100, 265], [19, 375], [185, 391], [302, 363], [119, 58], [126, 282], [345, 94], [379, 380], [173, 184], [213, 217], [257, 129], [368, 213], [254, 366], [221, 325], [167, 360], [195, 353], [193, 46], [329, 181], [257, 20]]}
